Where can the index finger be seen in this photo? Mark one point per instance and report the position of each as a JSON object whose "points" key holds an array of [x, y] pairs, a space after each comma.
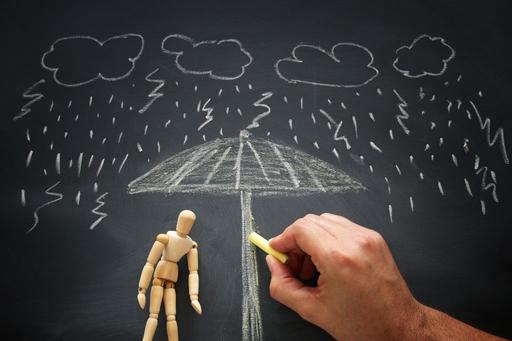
{"points": [[303, 236]]}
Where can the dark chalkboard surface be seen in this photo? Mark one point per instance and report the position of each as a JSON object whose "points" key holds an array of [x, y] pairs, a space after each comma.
{"points": [[118, 115]]}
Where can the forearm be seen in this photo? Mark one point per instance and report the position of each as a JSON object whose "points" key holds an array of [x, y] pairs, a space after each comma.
{"points": [[432, 324], [145, 276], [193, 277]]}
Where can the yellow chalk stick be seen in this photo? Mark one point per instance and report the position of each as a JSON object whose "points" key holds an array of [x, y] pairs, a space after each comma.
{"points": [[262, 243]]}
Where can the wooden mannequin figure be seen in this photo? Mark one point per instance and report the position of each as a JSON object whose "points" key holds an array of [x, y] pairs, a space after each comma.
{"points": [[167, 250]]}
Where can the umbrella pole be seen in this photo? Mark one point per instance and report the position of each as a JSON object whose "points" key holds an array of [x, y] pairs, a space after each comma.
{"points": [[251, 317]]}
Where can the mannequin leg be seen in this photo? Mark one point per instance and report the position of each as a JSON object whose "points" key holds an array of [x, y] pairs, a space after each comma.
{"points": [[157, 291], [170, 311]]}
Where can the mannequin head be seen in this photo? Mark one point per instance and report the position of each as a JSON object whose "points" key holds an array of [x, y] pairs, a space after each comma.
{"points": [[186, 219]]}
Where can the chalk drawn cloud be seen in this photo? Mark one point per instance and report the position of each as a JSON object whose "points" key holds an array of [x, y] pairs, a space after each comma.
{"points": [[347, 65], [224, 59], [425, 56], [79, 60]]}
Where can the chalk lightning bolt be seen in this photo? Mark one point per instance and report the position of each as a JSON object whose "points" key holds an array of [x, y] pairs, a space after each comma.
{"points": [[58, 196], [34, 97], [208, 111], [404, 115], [485, 184], [259, 103], [153, 95], [499, 134], [95, 211]]}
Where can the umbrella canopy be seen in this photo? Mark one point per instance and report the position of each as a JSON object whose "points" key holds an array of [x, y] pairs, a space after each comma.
{"points": [[232, 165]]}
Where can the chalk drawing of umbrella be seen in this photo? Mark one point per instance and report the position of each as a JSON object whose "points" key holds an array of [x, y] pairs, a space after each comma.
{"points": [[247, 166]]}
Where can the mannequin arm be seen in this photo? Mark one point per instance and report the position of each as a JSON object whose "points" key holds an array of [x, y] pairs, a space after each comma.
{"points": [[193, 278], [147, 271]]}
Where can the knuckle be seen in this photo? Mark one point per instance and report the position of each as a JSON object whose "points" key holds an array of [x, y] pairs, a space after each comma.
{"points": [[369, 240], [299, 222], [309, 216], [366, 241], [346, 221], [338, 257], [376, 237]]}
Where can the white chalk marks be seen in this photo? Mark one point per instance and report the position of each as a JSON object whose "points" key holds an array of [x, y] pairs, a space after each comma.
{"points": [[29, 158], [23, 197], [375, 147], [252, 329], [56, 195], [403, 115], [346, 65], [256, 166], [487, 183], [33, 98], [499, 134], [260, 103], [112, 63], [208, 110], [154, 94], [425, 56], [224, 59], [337, 132], [102, 215], [122, 163]]}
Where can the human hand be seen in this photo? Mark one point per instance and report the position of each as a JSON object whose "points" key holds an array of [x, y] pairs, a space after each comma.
{"points": [[360, 293]]}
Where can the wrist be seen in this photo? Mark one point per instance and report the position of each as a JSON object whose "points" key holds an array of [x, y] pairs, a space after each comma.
{"points": [[407, 322], [194, 297], [415, 325]]}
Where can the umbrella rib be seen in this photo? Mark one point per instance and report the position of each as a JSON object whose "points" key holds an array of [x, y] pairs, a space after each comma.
{"points": [[200, 153], [286, 165], [216, 167], [257, 156], [238, 164], [311, 174], [197, 165]]}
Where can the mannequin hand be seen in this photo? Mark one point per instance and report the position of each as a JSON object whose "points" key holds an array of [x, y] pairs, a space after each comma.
{"points": [[141, 298], [197, 306]]}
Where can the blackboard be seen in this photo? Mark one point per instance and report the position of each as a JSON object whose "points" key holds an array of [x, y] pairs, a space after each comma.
{"points": [[395, 115]]}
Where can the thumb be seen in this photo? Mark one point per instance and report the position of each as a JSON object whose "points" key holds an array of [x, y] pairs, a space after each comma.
{"points": [[287, 289]]}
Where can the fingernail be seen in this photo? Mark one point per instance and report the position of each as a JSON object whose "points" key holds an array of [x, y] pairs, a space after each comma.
{"points": [[269, 262]]}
